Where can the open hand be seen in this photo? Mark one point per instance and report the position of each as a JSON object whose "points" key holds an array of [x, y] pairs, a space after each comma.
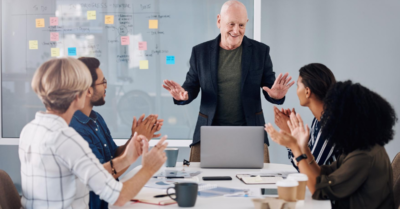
{"points": [[280, 87], [281, 119], [176, 90], [134, 148], [282, 137], [153, 160], [298, 131]]}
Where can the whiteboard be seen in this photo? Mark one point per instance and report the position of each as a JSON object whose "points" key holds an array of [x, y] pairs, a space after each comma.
{"points": [[138, 42]]}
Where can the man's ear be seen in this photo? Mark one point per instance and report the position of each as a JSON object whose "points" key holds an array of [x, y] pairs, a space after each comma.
{"points": [[219, 21], [90, 92]]}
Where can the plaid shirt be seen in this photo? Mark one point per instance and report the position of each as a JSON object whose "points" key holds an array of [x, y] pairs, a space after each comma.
{"points": [[323, 151], [58, 168]]}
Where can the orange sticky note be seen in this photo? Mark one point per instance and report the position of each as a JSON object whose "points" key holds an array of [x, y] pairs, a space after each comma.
{"points": [[53, 21], [109, 19], [33, 44], [55, 52], [124, 40], [143, 45], [144, 64], [153, 24], [91, 15], [40, 23], [54, 36]]}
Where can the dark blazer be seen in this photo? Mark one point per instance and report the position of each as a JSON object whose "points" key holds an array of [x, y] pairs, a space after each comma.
{"points": [[203, 74]]}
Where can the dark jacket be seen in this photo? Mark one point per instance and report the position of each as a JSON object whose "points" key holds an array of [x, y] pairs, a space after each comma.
{"points": [[203, 74]]}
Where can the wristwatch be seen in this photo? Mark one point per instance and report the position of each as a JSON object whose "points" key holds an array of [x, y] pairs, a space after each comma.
{"points": [[299, 158]]}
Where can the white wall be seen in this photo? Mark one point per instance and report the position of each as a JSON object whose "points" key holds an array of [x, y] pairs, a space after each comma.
{"points": [[356, 39]]}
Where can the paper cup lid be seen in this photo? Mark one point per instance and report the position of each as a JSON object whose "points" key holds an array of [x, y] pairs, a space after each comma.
{"points": [[171, 148], [298, 177], [287, 183]]}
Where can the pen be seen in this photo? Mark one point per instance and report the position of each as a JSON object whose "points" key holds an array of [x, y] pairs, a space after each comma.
{"points": [[175, 177], [163, 195]]}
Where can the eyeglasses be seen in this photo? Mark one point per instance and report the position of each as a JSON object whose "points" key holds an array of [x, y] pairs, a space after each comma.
{"points": [[104, 83]]}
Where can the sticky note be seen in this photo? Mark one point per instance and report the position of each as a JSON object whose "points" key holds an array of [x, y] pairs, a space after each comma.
{"points": [[54, 36], [153, 24], [55, 52], [53, 21], [72, 51], [142, 45], [144, 64], [40, 23], [109, 19], [124, 40], [170, 60], [33, 44], [91, 15]]}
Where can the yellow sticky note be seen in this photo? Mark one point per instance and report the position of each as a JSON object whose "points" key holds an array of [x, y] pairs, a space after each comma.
{"points": [[55, 52], [33, 44], [91, 15], [144, 64], [153, 24], [40, 23], [109, 19]]}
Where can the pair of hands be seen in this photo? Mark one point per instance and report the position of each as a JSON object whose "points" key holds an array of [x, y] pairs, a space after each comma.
{"points": [[277, 91], [151, 160], [147, 127], [298, 135], [282, 117]]}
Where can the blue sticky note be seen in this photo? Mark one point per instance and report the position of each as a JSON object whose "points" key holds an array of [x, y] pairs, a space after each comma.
{"points": [[72, 51], [170, 60]]}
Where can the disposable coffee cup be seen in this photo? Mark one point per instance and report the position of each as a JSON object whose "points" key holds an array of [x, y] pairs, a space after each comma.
{"points": [[302, 180], [287, 190], [172, 155]]}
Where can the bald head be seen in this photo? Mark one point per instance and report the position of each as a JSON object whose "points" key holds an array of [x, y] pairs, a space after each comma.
{"points": [[237, 5], [232, 24]]}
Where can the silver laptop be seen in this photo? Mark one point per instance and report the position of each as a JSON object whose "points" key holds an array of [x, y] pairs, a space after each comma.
{"points": [[232, 147]]}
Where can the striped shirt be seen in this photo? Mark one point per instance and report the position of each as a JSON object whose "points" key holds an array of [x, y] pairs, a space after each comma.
{"points": [[323, 151], [58, 168]]}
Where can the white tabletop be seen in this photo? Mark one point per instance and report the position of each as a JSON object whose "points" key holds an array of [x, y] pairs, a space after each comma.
{"points": [[229, 202]]}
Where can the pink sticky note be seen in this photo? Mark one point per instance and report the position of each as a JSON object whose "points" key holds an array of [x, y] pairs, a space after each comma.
{"points": [[54, 36], [124, 40], [53, 21], [143, 45]]}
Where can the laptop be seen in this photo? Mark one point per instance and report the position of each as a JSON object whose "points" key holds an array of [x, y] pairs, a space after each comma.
{"points": [[231, 147]]}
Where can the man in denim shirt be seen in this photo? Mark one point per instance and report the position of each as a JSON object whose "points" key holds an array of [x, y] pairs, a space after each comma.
{"points": [[92, 127]]}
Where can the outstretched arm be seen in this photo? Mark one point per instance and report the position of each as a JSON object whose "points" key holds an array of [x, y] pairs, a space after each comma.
{"points": [[186, 93]]}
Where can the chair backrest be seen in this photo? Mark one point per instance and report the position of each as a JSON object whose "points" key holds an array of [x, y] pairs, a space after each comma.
{"points": [[9, 197], [396, 180]]}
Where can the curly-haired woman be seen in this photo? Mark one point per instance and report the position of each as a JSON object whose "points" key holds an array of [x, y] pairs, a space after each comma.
{"points": [[360, 122]]}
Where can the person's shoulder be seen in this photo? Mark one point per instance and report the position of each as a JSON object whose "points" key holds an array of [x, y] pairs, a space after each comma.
{"points": [[257, 44], [204, 45]]}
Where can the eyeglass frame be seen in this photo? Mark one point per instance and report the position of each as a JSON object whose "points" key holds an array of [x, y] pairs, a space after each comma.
{"points": [[104, 82]]}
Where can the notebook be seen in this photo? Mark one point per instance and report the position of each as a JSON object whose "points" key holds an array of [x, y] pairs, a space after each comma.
{"points": [[253, 180]]}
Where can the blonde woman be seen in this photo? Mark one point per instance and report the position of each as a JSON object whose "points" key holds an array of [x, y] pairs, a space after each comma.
{"points": [[57, 166]]}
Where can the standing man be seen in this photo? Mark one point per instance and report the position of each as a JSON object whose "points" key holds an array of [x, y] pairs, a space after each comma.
{"points": [[92, 127], [230, 70]]}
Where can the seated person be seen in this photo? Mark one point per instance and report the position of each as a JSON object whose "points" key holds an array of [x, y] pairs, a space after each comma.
{"points": [[360, 123], [58, 168], [312, 86], [92, 127]]}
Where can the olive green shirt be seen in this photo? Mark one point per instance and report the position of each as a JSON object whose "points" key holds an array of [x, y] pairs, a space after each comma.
{"points": [[229, 105], [360, 179]]}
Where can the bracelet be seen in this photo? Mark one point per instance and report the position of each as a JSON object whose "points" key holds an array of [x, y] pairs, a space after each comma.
{"points": [[113, 171]]}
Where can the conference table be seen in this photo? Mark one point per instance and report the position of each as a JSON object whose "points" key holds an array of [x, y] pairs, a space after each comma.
{"points": [[223, 201]]}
